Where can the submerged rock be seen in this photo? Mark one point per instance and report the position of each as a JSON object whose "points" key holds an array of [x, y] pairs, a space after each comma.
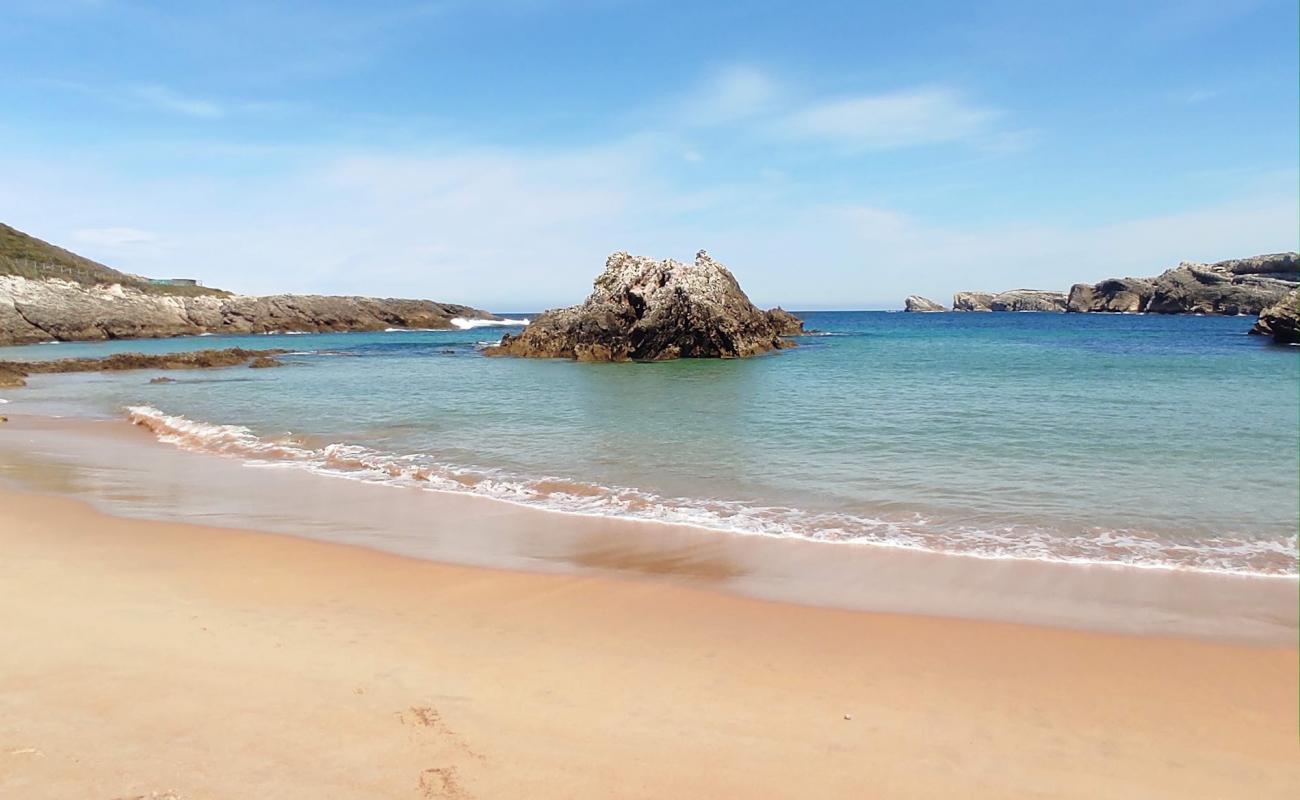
{"points": [[264, 362], [1281, 320], [197, 359], [641, 309], [916, 302]]}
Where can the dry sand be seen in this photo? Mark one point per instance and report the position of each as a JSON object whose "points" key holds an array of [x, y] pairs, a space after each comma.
{"points": [[158, 659]]}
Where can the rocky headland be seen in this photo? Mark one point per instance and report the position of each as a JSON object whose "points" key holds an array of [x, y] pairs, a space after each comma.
{"points": [[642, 309], [14, 373], [1237, 286], [48, 293]]}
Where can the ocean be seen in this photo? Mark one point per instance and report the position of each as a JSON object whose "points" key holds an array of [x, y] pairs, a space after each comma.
{"points": [[1165, 442]]}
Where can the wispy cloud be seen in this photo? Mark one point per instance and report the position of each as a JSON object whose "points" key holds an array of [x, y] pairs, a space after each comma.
{"points": [[734, 93], [166, 99], [748, 102], [903, 118]]}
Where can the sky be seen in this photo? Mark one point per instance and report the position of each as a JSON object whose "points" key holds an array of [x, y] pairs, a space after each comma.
{"points": [[832, 154]]}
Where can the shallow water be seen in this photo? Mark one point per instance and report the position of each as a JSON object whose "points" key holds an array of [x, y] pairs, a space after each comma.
{"points": [[1145, 440]]}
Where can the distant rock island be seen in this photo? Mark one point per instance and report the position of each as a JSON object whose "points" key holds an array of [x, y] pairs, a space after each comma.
{"points": [[1013, 300], [916, 302], [1237, 286], [642, 309], [48, 293]]}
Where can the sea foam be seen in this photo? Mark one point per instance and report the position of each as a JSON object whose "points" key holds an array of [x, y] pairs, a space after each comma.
{"points": [[466, 324], [1131, 548]]}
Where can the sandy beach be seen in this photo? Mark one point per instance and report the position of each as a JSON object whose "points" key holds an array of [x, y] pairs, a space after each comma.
{"points": [[144, 659]]}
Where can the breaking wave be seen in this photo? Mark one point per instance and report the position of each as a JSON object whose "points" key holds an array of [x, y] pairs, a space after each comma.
{"points": [[1135, 548], [466, 324]]}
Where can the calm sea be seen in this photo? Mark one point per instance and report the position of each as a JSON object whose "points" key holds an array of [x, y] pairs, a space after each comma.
{"points": [[1146, 440]]}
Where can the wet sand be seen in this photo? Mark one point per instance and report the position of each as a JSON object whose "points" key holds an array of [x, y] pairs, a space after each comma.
{"points": [[123, 469], [143, 657]]}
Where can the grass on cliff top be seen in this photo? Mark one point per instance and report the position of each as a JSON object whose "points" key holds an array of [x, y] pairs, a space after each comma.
{"points": [[29, 257]]}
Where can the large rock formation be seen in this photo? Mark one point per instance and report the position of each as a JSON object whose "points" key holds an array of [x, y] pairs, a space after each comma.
{"points": [[41, 310], [972, 301], [916, 302], [1013, 300], [1126, 295], [1281, 320], [641, 309], [1237, 286]]}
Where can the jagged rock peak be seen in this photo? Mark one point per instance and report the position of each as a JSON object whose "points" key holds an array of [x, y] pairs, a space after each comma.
{"points": [[644, 309]]}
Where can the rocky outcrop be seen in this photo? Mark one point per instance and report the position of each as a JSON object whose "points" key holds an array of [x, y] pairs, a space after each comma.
{"points": [[1237, 286], [972, 301], [918, 303], [42, 310], [13, 373], [1281, 320], [641, 309], [1013, 300], [1120, 295], [1028, 300]]}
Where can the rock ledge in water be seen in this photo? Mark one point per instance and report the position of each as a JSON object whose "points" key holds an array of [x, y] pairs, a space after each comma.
{"points": [[1281, 320], [642, 309]]}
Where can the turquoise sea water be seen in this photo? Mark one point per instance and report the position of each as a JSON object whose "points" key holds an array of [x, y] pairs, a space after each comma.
{"points": [[1146, 440]]}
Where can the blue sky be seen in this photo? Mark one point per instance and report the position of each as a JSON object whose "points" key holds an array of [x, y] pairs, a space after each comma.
{"points": [[834, 154]]}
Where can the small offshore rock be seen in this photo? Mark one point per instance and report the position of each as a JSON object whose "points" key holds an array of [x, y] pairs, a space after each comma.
{"points": [[642, 309], [916, 302], [162, 379]]}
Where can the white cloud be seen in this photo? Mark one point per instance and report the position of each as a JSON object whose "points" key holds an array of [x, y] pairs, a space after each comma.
{"points": [[909, 117], [734, 93]]}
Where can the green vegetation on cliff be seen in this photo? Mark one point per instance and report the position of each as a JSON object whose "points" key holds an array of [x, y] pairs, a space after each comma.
{"points": [[29, 257]]}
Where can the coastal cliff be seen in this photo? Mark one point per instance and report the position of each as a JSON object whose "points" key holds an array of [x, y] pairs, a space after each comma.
{"points": [[48, 293], [642, 309]]}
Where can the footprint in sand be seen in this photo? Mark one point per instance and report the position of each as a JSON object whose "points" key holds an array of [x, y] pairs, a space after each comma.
{"points": [[444, 781]]}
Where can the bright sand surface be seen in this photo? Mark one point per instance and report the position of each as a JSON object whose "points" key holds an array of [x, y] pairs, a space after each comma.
{"points": [[141, 657]]}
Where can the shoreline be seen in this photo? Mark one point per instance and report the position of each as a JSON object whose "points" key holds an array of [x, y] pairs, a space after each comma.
{"points": [[212, 662], [125, 470]]}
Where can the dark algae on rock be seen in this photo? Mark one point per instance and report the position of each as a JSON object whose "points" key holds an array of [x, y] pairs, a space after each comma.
{"points": [[13, 373]]}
